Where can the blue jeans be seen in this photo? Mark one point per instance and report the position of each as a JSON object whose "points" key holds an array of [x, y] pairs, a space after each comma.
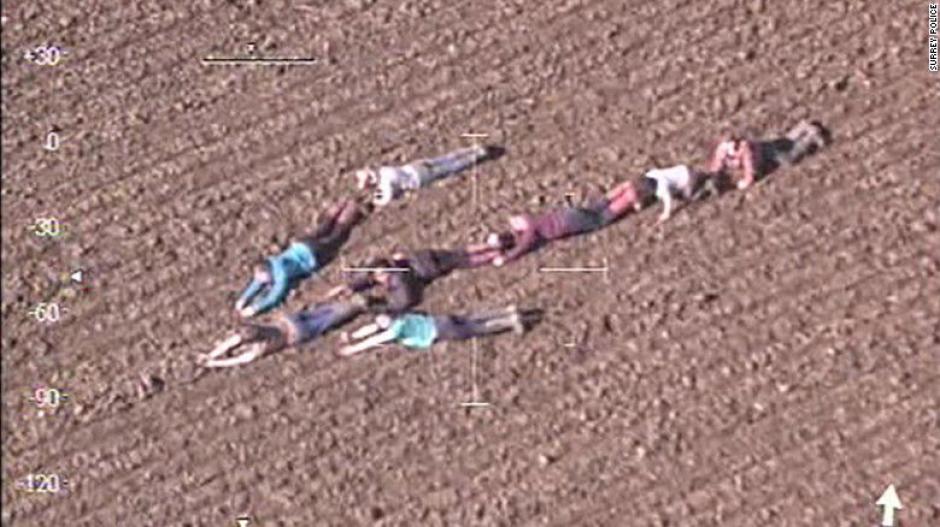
{"points": [[435, 168]]}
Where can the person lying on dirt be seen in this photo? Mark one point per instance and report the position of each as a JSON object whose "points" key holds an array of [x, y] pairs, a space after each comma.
{"points": [[747, 160], [275, 277], [420, 331], [529, 232], [678, 180], [389, 183], [257, 340], [402, 279]]}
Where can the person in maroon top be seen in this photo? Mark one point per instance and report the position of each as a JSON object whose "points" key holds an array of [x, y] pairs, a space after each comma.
{"points": [[528, 232], [402, 279], [746, 160]]}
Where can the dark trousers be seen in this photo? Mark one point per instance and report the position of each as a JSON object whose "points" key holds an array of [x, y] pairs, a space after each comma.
{"points": [[453, 327]]}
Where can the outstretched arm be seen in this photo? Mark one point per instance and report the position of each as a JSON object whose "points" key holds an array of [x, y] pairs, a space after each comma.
{"points": [[666, 198], [526, 237], [365, 331], [717, 161], [222, 347], [748, 166], [259, 340], [274, 280], [371, 342], [253, 353], [211, 359], [276, 293]]}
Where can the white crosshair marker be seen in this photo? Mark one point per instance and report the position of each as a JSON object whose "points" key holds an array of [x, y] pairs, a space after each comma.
{"points": [[475, 402], [605, 269], [375, 269], [474, 174], [569, 201], [354, 269]]}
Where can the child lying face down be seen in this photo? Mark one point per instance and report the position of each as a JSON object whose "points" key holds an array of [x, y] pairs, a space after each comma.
{"points": [[746, 160], [388, 183], [397, 284], [257, 340], [421, 331], [528, 231], [274, 278]]}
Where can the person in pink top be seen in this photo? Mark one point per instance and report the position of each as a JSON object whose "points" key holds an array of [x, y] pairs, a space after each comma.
{"points": [[746, 160], [529, 232]]}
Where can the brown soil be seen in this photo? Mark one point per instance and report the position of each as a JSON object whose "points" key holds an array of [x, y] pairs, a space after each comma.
{"points": [[768, 358]]}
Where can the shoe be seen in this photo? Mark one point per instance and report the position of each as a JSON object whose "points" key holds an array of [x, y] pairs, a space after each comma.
{"points": [[493, 241], [518, 327], [359, 300]]}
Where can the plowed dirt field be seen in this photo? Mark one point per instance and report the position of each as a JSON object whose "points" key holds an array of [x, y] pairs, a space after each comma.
{"points": [[768, 357]]}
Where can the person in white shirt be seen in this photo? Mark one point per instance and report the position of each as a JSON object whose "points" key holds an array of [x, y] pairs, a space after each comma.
{"points": [[678, 181], [389, 183]]}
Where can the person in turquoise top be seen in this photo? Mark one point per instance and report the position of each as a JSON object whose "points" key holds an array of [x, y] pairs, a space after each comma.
{"points": [[414, 330], [421, 331], [275, 277]]}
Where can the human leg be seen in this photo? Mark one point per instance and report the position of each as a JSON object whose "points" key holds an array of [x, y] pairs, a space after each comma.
{"points": [[429, 170], [477, 255], [306, 325], [618, 201], [467, 258], [333, 233], [805, 138], [485, 315], [504, 319], [465, 328], [327, 221]]}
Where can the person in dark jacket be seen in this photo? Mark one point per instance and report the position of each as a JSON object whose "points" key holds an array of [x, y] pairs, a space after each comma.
{"points": [[400, 280]]}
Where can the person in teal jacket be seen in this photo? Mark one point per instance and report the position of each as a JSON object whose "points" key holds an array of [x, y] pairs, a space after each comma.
{"points": [[275, 277], [420, 331]]}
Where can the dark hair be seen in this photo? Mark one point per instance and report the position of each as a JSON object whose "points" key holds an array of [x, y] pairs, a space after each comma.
{"points": [[380, 263], [645, 188]]}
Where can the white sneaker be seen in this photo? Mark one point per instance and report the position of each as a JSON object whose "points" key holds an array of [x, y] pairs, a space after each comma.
{"points": [[518, 327], [493, 241]]}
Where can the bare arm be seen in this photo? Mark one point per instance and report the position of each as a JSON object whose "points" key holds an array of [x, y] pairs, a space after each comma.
{"points": [[256, 351], [525, 241], [747, 164], [223, 346], [337, 291], [371, 342], [666, 198], [717, 161], [365, 331]]}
